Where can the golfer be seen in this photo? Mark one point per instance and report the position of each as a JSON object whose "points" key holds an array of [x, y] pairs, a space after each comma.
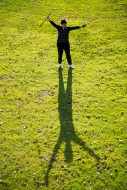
{"points": [[63, 40]]}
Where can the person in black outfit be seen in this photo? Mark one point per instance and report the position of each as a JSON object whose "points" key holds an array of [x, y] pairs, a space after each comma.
{"points": [[63, 40]]}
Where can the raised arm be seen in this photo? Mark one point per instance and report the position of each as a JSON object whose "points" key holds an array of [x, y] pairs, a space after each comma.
{"points": [[77, 27], [54, 24]]}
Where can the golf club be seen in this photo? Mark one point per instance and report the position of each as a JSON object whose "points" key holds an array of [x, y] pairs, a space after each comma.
{"points": [[47, 16]]}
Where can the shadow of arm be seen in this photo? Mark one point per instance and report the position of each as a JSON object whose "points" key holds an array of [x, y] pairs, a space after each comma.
{"points": [[86, 148], [53, 158]]}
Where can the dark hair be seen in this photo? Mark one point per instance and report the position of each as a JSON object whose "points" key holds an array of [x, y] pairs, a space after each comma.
{"points": [[63, 21]]}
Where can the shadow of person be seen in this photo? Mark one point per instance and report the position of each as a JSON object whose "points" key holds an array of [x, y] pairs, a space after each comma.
{"points": [[67, 131]]}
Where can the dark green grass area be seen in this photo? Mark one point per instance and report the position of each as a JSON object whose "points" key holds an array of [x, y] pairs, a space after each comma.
{"points": [[66, 129]]}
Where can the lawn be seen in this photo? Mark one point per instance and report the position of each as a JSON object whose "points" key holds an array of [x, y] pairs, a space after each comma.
{"points": [[63, 129]]}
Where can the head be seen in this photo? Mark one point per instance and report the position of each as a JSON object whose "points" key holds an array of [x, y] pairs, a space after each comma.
{"points": [[63, 23]]}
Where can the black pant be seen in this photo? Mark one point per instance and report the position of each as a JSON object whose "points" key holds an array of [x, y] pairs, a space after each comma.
{"points": [[66, 48]]}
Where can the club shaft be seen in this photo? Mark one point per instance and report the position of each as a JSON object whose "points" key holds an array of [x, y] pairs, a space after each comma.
{"points": [[46, 17]]}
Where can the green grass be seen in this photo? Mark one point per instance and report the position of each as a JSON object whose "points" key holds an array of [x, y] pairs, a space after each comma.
{"points": [[63, 130]]}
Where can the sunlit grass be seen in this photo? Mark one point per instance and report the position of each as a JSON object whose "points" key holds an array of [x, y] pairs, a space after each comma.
{"points": [[70, 133]]}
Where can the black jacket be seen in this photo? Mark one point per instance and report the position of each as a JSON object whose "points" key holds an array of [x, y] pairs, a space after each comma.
{"points": [[63, 34]]}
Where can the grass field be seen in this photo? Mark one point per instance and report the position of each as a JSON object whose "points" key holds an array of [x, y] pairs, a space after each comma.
{"points": [[67, 129]]}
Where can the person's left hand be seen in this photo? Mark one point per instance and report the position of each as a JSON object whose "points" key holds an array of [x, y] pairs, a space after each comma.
{"points": [[84, 25]]}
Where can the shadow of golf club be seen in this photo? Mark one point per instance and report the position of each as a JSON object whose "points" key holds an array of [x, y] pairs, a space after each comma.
{"points": [[67, 131]]}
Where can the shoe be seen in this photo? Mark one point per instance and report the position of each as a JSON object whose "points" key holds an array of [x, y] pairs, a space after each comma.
{"points": [[59, 66], [71, 66]]}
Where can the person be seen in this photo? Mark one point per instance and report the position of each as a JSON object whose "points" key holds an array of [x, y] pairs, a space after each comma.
{"points": [[63, 40]]}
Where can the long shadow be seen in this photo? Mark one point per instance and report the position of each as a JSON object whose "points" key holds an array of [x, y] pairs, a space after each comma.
{"points": [[67, 131]]}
